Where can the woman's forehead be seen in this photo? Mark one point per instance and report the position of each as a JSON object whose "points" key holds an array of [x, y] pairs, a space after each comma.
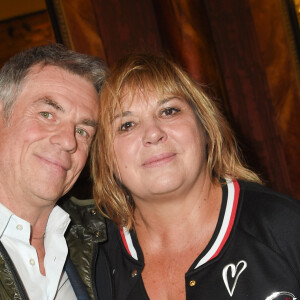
{"points": [[146, 95], [129, 96]]}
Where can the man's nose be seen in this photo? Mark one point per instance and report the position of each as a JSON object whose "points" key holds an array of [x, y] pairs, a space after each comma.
{"points": [[65, 137]]}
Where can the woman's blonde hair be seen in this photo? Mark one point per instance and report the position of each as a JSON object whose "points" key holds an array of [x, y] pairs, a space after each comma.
{"points": [[151, 73]]}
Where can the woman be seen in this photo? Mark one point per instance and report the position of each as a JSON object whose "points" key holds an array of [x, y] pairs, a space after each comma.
{"points": [[187, 219]]}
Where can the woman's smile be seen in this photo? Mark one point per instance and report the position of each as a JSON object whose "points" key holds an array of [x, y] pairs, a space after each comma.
{"points": [[159, 160]]}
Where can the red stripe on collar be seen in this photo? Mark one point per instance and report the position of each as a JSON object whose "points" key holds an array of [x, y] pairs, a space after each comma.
{"points": [[232, 217]]}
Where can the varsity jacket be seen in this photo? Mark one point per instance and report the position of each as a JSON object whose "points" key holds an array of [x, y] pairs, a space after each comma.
{"points": [[254, 252], [86, 230]]}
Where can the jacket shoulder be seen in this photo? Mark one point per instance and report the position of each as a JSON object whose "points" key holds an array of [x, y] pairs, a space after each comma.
{"points": [[273, 219], [86, 230], [266, 205], [86, 222]]}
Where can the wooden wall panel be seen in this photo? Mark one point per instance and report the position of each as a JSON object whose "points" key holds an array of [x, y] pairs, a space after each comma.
{"points": [[280, 63], [75, 25], [221, 43], [24, 32], [248, 91], [127, 26], [186, 37]]}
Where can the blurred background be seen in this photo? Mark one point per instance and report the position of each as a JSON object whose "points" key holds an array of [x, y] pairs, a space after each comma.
{"points": [[245, 52]]}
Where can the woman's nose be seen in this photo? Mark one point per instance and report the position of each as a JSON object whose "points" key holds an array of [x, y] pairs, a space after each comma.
{"points": [[154, 134]]}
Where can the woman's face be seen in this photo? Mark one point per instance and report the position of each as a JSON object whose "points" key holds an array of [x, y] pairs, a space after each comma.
{"points": [[159, 146]]}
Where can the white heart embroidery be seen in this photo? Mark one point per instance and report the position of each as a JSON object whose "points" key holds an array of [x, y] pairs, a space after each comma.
{"points": [[276, 294], [235, 273]]}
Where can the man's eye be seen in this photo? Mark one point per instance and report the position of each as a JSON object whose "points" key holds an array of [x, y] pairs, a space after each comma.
{"points": [[46, 115], [170, 111], [126, 126], [81, 131]]}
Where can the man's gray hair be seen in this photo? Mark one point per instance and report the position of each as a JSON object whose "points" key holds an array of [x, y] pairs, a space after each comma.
{"points": [[15, 70]]}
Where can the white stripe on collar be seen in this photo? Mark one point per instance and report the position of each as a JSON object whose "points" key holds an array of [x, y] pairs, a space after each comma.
{"points": [[127, 241], [227, 224]]}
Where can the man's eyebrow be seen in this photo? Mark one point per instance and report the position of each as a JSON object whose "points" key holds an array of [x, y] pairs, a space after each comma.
{"points": [[52, 103], [89, 122], [56, 106]]}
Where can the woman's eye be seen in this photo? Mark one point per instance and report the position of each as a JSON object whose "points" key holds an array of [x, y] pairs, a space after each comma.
{"points": [[81, 131], [46, 115], [126, 126], [170, 111]]}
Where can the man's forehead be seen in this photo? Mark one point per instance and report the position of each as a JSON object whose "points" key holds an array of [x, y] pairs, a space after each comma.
{"points": [[46, 74], [40, 69], [52, 85], [37, 69]]}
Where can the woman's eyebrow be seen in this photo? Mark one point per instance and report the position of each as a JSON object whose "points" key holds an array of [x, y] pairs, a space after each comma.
{"points": [[123, 114], [159, 103], [166, 100], [163, 101]]}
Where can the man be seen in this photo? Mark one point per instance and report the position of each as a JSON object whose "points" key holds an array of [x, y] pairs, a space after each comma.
{"points": [[48, 118]]}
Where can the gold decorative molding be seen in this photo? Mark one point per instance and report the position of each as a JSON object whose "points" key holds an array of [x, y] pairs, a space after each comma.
{"points": [[297, 9], [62, 23], [75, 25]]}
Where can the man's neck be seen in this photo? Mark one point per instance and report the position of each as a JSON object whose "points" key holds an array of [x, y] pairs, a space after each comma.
{"points": [[29, 208], [35, 214]]}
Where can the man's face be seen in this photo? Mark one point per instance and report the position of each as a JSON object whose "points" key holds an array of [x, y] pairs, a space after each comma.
{"points": [[45, 144]]}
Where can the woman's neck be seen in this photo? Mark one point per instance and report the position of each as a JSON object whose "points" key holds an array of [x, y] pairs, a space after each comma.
{"points": [[164, 221]]}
